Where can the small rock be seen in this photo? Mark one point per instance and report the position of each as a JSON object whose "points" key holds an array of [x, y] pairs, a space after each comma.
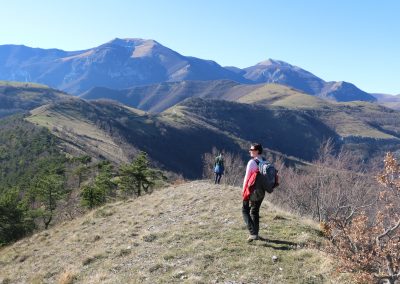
{"points": [[22, 258], [274, 258], [180, 274], [5, 281], [149, 238]]}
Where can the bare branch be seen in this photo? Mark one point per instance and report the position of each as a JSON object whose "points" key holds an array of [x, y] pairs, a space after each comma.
{"points": [[387, 232]]}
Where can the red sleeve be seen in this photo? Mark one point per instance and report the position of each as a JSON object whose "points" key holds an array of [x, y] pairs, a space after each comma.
{"points": [[249, 186]]}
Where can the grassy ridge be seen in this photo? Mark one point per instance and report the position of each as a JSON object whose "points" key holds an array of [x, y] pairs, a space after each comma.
{"points": [[22, 84], [191, 233], [68, 121], [347, 119], [17, 97]]}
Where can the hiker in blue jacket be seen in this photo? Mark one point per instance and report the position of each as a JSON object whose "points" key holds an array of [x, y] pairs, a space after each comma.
{"points": [[218, 168]]}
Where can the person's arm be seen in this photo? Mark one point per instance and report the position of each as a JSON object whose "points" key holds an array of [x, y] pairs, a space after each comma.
{"points": [[251, 167]]}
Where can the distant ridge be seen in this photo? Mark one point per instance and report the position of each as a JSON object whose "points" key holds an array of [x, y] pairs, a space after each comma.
{"points": [[125, 63], [279, 72], [388, 100], [17, 97], [159, 97]]}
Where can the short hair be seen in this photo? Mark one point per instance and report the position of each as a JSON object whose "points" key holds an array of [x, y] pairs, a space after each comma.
{"points": [[258, 147]]}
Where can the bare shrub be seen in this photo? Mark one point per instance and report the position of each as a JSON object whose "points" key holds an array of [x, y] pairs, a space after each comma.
{"points": [[369, 244], [326, 188]]}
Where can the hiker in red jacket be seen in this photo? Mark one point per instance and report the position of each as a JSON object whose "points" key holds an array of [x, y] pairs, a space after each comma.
{"points": [[251, 208]]}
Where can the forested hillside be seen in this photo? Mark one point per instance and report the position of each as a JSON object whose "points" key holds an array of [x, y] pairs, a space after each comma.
{"points": [[29, 158]]}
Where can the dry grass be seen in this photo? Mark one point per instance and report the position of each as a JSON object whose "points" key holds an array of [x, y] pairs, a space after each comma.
{"points": [[345, 118], [282, 96], [347, 125], [70, 127], [189, 233], [67, 277]]}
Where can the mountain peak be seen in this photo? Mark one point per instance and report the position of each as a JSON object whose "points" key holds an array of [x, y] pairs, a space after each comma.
{"points": [[273, 62], [137, 46], [131, 42]]}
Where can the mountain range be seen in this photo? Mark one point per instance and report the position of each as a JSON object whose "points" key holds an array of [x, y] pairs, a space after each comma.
{"points": [[158, 100], [125, 63]]}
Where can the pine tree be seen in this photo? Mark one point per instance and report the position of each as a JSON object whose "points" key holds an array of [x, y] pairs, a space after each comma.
{"points": [[96, 194], [104, 179], [82, 169], [48, 190], [138, 176], [14, 217], [92, 196]]}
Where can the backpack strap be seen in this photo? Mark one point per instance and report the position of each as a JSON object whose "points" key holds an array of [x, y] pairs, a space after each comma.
{"points": [[258, 161]]}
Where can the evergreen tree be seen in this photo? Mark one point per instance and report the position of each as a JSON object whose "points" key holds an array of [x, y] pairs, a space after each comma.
{"points": [[92, 196], [82, 169], [96, 194], [48, 190], [14, 217], [138, 176], [104, 179]]}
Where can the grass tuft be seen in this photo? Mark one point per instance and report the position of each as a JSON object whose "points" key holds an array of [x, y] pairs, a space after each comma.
{"points": [[67, 277]]}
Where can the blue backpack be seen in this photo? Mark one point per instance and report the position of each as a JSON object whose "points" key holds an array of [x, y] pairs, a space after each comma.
{"points": [[219, 166]]}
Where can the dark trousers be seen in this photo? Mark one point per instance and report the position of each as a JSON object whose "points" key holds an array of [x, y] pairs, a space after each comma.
{"points": [[217, 178], [251, 216]]}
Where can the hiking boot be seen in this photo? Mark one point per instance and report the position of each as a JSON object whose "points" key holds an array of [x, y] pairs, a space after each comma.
{"points": [[252, 238]]}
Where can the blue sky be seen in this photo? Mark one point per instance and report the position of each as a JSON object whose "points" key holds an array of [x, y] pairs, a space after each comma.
{"points": [[338, 40]]}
